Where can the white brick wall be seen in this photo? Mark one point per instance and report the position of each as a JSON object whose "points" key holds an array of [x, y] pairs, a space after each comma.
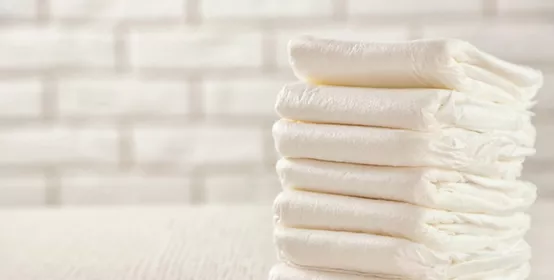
{"points": [[22, 189], [408, 7], [252, 187], [20, 98], [265, 8], [195, 48], [196, 145], [171, 101], [18, 8], [122, 96], [528, 6], [82, 187], [241, 97], [57, 145], [520, 41], [117, 9], [28, 47]]}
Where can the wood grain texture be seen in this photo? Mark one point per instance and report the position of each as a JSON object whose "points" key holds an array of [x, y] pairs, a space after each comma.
{"points": [[208, 243], [167, 243]]}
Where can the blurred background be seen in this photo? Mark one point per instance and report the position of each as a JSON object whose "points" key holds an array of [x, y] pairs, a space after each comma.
{"points": [[108, 102]]}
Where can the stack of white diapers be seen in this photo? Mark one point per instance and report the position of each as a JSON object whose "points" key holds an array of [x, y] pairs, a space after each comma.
{"points": [[401, 161]]}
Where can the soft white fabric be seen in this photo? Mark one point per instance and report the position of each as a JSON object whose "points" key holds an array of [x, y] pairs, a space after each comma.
{"points": [[437, 229], [489, 153], [429, 187], [383, 255], [429, 63], [286, 272], [414, 109]]}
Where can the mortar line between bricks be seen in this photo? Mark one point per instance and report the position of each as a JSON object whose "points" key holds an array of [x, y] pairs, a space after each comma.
{"points": [[340, 10], [196, 98], [433, 19], [542, 16], [246, 121], [198, 187], [269, 50], [294, 22], [145, 72], [268, 148], [166, 72], [69, 71], [490, 8], [53, 187], [148, 168], [125, 145], [121, 54], [49, 98], [95, 168], [226, 169], [192, 15], [234, 72], [43, 10]]}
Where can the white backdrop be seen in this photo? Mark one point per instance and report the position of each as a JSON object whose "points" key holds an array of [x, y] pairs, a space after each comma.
{"points": [[171, 101]]}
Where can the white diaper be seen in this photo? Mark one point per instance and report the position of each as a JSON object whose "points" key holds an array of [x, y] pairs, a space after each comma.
{"points": [[495, 155], [437, 229], [368, 254], [429, 187], [414, 109], [286, 272], [427, 63]]}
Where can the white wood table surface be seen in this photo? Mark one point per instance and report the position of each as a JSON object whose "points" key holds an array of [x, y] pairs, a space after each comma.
{"points": [[168, 243]]}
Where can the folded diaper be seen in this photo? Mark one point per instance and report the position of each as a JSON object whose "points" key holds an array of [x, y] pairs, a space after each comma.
{"points": [[488, 153], [437, 229], [429, 187], [436, 63], [383, 255], [414, 109], [285, 272]]}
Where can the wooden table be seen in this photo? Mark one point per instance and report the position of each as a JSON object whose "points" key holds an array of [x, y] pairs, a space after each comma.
{"points": [[168, 243]]}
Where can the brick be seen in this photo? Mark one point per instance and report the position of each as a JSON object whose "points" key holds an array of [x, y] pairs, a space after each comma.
{"points": [[117, 9], [265, 8], [195, 48], [20, 98], [197, 145], [338, 32], [522, 42], [247, 187], [18, 9], [86, 187], [122, 97], [408, 7], [22, 190], [516, 6], [38, 145], [48, 47], [545, 138], [241, 97]]}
